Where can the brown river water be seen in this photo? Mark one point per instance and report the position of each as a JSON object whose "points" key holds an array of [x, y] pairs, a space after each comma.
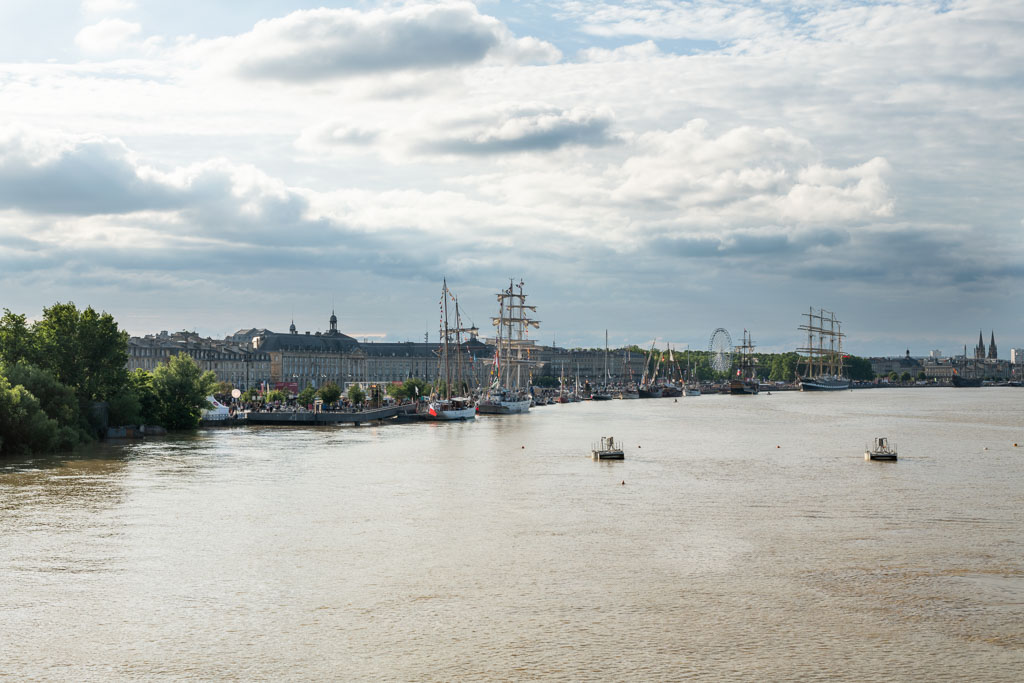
{"points": [[750, 541]]}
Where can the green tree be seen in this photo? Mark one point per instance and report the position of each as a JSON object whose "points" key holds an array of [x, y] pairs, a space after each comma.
{"points": [[16, 339], [921, 376], [248, 395], [356, 394], [411, 388], [330, 393], [277, 396], [182, 390], [56, 400], [859, 368], [24, 426], [140, 383], [894, 376], [306, 396], [84, 350], [905, 377]]}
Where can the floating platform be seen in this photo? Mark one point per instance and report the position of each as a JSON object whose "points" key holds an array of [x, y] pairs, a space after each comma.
{"points": [[608, 450], [881, 451]]}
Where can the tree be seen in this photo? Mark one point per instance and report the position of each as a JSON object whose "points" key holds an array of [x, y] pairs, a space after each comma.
{"points": [[83, 349], [56, 400], [330, 393], [921, 376], [25, 428], [182, 390], [140, 383], [894, 376], [16, 339], [276, 396], [356, 394], [859, 368], [905, 377], [248, 395], [411, 389], [306, 396]]}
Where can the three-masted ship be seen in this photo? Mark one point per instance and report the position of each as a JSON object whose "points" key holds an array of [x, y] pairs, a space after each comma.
{"points": [[509, 391], [745, 382], [823, 365], [442, 405]]}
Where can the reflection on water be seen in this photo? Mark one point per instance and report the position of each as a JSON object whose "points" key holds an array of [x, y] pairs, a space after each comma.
{"points": [[750, 540]]}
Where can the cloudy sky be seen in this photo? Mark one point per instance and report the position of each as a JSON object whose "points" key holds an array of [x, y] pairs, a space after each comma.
{"points": [[655, 168]]}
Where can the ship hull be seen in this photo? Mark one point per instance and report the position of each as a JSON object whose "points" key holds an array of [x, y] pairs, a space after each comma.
{"points": [[958, 381], [823, 384], [442, 414], [738, 388], [493, 407]]}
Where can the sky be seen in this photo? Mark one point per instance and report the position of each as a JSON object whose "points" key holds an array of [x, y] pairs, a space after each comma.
{"points": [[656, 169]]}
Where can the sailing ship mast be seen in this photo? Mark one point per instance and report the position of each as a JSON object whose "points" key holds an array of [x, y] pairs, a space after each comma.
{"points": [[824, 344], [513, 326]]}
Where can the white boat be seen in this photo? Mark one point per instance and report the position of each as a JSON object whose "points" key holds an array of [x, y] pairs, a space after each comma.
{"points": [[881, 450], [218, 412], [692, 390], [458, 408], [608, 450], [498, 402]]}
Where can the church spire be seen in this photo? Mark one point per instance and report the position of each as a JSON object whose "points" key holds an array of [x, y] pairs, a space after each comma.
{"points": [[992, 347], [979, 350]]}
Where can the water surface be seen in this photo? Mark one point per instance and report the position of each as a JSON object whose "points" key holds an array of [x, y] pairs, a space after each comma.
{"points": [[750, 541]]}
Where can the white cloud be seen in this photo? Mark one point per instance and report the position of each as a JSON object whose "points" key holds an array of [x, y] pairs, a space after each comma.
{"points": [[313, 45], [108, 36], [638, 52]]}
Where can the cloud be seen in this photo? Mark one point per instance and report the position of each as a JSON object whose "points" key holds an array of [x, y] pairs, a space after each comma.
{"points": [[108, 36], [313, 45], [522, 129], [81, 175], [748, 175], [627, 53], [506, 129]]}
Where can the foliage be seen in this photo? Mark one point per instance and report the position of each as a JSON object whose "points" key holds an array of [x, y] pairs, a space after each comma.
{"points": [[224, 388], [140, 383], [858, 368], [545, 381], [83, 349], [409, 389], [182, 390], [24, 426], [330, 393], [276, 396], [905, 377], [248, 395], [56, 400], [16, 340], [306, 396], [894, 376], [921, 376], [356, 394]]}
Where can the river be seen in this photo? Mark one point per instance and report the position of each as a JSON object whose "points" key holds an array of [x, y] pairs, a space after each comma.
{"points": [[750, 540]]}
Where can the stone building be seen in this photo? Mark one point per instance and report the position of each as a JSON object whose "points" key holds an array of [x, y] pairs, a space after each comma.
{"points": [[231, 361]]}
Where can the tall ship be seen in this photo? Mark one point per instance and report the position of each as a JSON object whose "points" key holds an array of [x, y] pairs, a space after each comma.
{"points": [[823, 369], [745, 382], [442, 405], [509, 391]]}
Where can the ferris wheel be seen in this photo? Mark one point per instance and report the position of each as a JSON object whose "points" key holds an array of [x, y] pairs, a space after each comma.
{"points": [[720, 348]]}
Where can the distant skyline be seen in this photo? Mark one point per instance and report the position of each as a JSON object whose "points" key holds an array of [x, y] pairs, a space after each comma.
{"points": [[656, 169]]}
